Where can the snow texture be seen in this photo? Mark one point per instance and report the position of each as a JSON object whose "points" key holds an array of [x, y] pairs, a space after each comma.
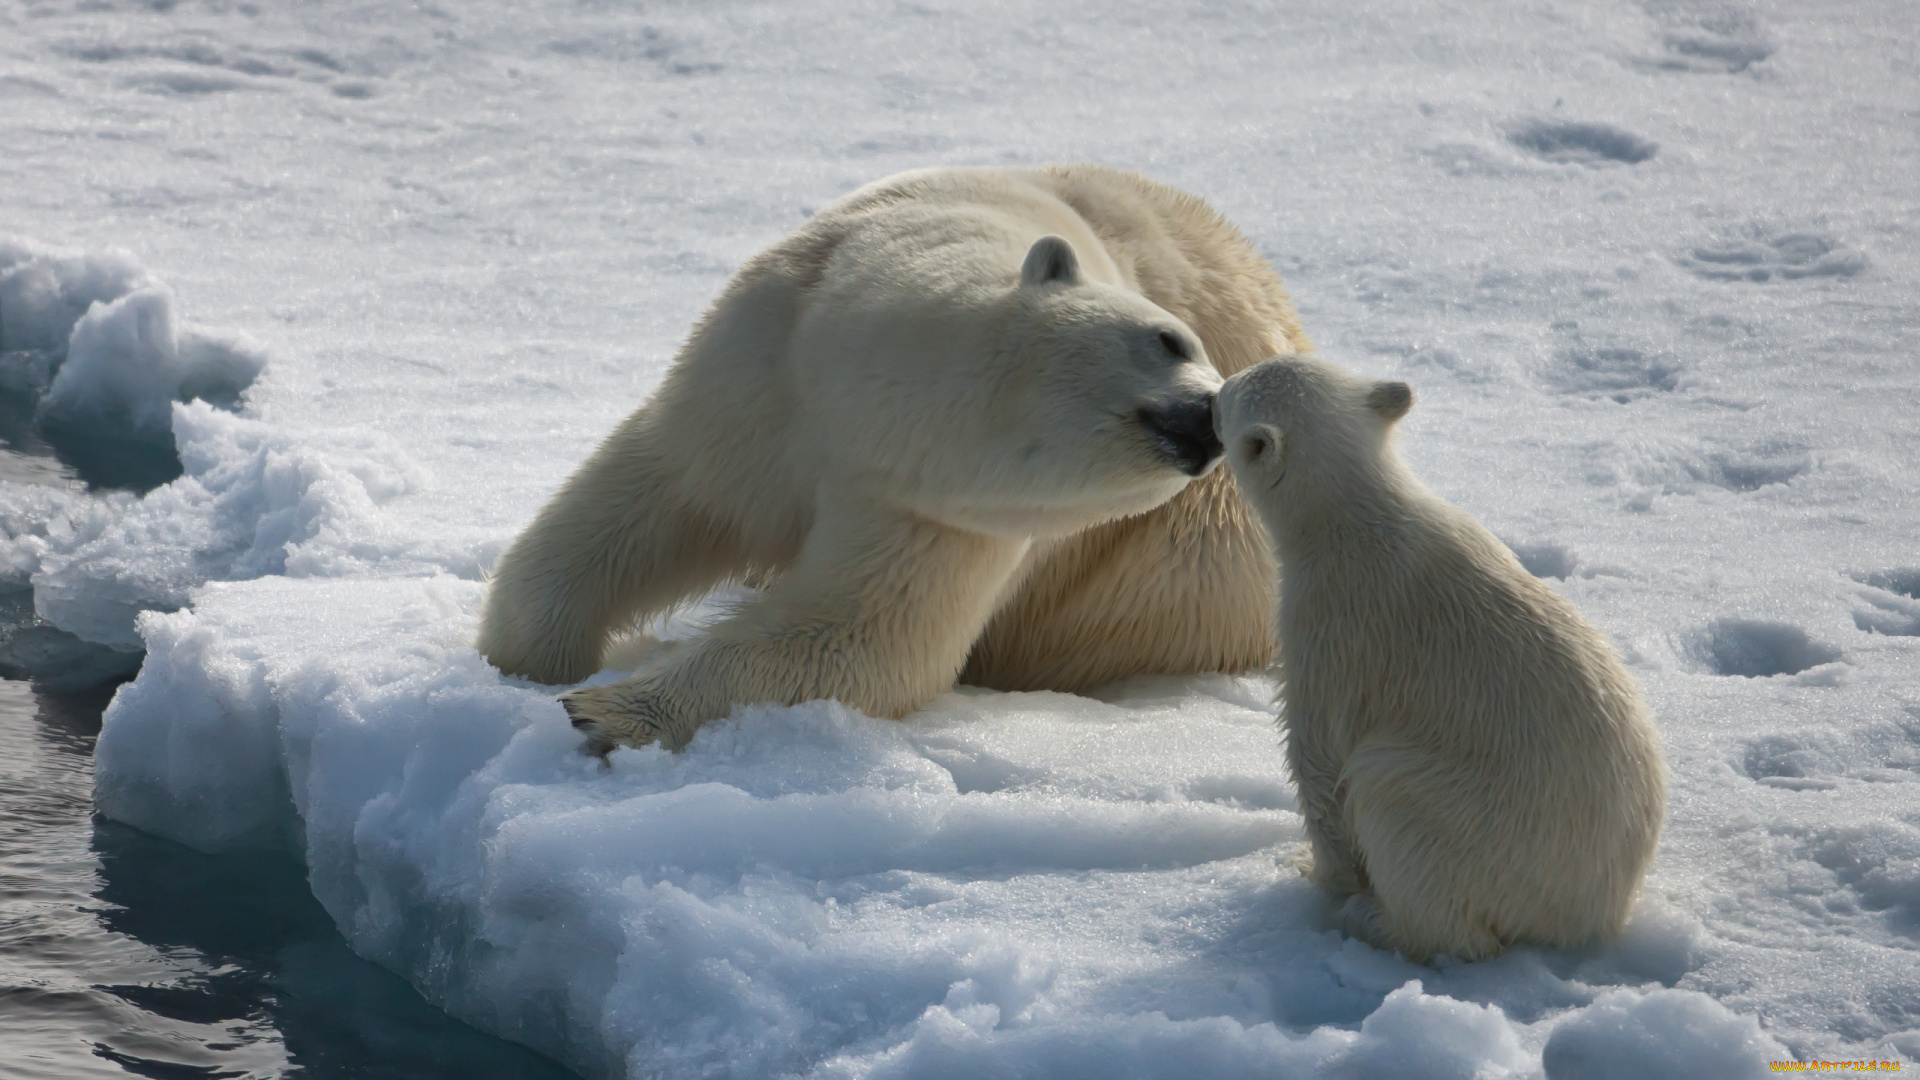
{"points": [[1651, 269]]}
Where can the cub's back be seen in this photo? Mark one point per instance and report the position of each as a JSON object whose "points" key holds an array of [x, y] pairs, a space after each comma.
{"points": [[1440, 639]]}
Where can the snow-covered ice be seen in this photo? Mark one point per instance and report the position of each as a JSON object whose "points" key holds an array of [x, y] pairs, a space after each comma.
{"points": [[1651, 269]]}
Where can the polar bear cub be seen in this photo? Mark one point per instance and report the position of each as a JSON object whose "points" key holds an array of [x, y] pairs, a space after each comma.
{"points": [[1475, 766]]}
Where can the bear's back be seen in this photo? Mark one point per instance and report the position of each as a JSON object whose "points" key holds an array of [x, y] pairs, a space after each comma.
{"points": [[1165, 244]]}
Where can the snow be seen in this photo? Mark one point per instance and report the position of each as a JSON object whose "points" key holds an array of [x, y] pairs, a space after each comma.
{"points": [[1651, 270], [1663, 1032]]}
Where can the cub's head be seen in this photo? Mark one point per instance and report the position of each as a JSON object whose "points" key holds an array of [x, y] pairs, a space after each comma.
{"points": [[1113, 395], [1298, 430]]}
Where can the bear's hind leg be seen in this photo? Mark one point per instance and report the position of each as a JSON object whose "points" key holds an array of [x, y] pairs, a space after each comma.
{"points": [[1362, 919], [1415, 822], [878, 612], [1334, 866]]}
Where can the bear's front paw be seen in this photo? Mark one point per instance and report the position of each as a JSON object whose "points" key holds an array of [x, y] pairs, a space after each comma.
{"points": [[617, 715]]}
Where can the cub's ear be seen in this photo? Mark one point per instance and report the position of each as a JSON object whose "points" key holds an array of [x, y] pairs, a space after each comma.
{"points": [[1390, 399], [1051, 260]]}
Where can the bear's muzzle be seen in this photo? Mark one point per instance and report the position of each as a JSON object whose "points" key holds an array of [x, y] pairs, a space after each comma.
{"points": [[1184, 431]]}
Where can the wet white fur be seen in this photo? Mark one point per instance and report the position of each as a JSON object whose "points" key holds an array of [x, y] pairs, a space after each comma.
{"points": [[913, 422], [1475, 766]]}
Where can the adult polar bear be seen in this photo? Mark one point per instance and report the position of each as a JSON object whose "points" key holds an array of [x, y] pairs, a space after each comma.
{"points": [[950, 425]]}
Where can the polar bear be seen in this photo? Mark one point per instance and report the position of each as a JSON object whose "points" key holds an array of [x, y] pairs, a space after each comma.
{"points": [[952, 427], [1474, 765]]}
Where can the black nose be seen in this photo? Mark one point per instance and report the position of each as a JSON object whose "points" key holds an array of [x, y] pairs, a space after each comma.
{"points": [[1184, 430]]}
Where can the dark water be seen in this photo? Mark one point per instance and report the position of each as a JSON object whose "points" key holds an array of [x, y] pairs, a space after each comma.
{"points": [[123, 954]]}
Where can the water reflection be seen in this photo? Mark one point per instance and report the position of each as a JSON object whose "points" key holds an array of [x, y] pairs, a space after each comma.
{"points": [[121, 953], [27, 459]]}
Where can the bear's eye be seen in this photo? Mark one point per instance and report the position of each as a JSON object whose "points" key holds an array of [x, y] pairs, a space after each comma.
{"points": [[1171, 342]]}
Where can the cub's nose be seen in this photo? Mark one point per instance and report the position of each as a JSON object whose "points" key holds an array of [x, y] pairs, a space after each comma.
{"points": [[1183, 430]]}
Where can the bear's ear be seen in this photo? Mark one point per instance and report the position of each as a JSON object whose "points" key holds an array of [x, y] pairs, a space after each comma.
{"points": [[1051, 259], [1390, 399]]}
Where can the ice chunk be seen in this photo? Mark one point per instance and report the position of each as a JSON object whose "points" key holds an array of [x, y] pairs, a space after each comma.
{"points": [[126, 365], [90, 351], [251, 503], [1414, 1033], [204, 768]]}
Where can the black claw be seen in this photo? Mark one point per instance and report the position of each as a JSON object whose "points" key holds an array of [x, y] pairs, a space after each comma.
{"points": [[596, 744]]}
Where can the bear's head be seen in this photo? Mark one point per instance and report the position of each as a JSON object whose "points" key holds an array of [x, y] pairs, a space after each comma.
{"points": [[1101, 402], [1301, 433]]}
